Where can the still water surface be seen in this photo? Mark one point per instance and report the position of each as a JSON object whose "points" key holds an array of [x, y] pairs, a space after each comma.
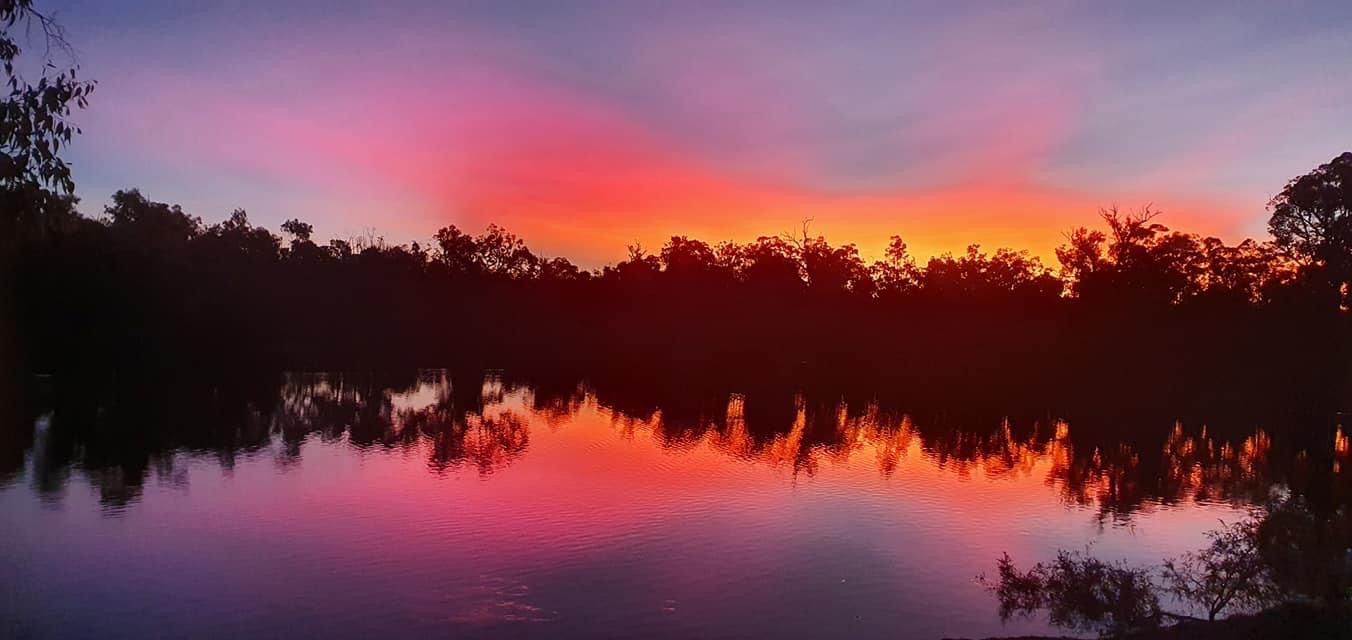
{"points": [[430, 510]]}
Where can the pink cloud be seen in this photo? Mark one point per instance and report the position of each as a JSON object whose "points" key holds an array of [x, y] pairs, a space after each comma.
{"points": [[486, 137]]}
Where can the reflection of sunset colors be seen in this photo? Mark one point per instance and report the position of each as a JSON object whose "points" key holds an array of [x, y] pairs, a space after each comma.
{"points": [[583, 127], [531, 510], [1197, 467], [496, 431]]}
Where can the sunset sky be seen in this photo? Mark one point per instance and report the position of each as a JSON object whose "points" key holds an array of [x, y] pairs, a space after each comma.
{"points": [[586, 126]]}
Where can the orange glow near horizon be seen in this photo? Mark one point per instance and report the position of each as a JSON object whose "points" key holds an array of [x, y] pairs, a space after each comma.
{"points": [[489, 139], [931, 222]]}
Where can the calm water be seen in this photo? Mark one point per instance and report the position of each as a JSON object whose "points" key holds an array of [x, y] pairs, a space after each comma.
{"points": [[327, 507]]}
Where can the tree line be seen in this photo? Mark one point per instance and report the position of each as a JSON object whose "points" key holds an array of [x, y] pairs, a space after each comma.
{"points": [[146, 280], [1132, 259]]}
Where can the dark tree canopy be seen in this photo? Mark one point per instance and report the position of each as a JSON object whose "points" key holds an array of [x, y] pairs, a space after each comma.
{"points": [[1080, 592], [1312, 218], [299, 231], [1140, 261]]}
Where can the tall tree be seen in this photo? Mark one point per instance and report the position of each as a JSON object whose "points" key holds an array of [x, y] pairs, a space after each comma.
{"points": [[1312, 218]]}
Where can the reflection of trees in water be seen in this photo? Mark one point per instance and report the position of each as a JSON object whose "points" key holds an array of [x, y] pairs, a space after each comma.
{"points": [[118, 435], [118, 439], [1122, 479], [486, 442], [1119, 477], [460, 426]]}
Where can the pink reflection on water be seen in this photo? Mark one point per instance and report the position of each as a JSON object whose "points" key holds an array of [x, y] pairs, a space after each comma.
{"points": [[596, 520]]}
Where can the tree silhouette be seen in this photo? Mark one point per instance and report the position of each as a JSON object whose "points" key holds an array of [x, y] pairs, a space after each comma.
{"points": [[150, 227], [1312, 218], [1080, 592], [978, 276], [456, 251], [834, 270], [299, 231], [688, 261], [501, 254], [1242, 568], [896, 274], [34, 125], [1229, 573]]}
